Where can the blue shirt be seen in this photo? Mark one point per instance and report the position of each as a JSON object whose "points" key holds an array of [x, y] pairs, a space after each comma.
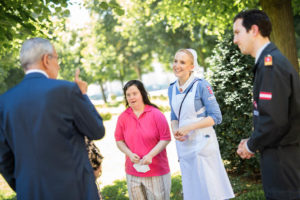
{"points": [[204, 97]]}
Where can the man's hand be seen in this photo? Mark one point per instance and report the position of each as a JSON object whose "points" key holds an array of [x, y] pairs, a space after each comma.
{"points": [[81, 84], [242, 150]]}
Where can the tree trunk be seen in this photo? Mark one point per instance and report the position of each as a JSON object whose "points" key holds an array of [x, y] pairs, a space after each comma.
{"points": [[102, 91], [283, 31], [201, 56], [202, 59], [121, 76], [121, 79], [138, 72]]}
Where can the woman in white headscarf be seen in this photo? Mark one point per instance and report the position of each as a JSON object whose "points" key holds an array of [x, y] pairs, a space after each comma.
{"points": [[194, 111]]}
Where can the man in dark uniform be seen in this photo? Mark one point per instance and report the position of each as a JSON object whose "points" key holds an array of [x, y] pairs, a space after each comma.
{"points": [[276, 103]]}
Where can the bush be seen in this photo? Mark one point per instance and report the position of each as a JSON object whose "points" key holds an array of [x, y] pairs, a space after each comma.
{"points": [[114, 103], [113, 97], [176, 188], [163, 97], [231, 79], [165, 109], [117, 191], [106, 116]]}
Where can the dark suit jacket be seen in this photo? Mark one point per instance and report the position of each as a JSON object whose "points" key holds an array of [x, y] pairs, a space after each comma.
{"points": [[276, 95], [42, 150]]}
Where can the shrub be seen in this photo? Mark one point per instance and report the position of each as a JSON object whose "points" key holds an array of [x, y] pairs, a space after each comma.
{"points": [[176, 188], [117, 191], [164, 109], [106, 116], [231, 79], [163, 97], [114, 103], [153, 97], [113, 97]]}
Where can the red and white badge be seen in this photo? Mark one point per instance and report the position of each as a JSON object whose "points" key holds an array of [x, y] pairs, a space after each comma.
{"points": [[265, 95], [268, 60], [209, 90]]}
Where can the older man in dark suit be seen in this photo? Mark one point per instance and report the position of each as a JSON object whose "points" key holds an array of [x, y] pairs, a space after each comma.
{"points": [[43, 122], [276, 105]]}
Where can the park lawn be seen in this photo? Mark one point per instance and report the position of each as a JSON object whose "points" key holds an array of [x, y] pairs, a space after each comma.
{"points": [[244, 188]]}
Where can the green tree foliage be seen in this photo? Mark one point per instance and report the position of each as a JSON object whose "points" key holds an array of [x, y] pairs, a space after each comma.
{"points": [[70, 47], [24, 19], [231, 79], [217, 16], [108, 52], [21, 20]]}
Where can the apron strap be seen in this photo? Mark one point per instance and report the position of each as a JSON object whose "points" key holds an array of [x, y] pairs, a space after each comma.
{"points": [[184, 99]]}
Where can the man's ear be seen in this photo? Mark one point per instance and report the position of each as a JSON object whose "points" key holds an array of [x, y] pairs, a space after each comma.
{"points": [[45, 60], [255, 29]]}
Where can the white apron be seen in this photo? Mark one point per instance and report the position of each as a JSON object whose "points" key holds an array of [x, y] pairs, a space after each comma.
{"points": [[203, 173]]}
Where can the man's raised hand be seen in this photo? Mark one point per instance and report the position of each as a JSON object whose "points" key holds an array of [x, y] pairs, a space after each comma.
{"points": [[81, 84]]}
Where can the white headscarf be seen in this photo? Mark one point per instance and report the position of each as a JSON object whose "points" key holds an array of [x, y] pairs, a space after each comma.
{"points": [[196, 65]]}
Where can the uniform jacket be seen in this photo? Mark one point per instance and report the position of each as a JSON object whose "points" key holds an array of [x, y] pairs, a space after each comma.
{"points": [[42, 150], [276, 102]]}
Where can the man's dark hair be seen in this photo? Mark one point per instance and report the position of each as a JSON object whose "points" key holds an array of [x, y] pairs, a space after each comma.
{"points": [[142, 90], [255, 17]]}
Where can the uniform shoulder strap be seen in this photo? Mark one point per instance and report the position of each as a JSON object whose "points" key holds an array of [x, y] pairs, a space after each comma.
{"points": [[184, 98]]}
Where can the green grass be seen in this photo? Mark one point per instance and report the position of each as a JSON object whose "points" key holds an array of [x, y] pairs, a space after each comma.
{"points": [[244, 188]]}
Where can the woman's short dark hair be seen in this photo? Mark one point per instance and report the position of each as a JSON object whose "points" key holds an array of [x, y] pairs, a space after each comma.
{"points": [[141, 88], [255, 17]]}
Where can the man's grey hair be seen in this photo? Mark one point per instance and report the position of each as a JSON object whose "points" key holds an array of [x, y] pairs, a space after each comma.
{"points": [[33, 49]]}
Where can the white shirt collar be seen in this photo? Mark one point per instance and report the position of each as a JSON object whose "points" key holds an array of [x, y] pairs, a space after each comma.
{"points": [[259, 51], [186, 84], [36, 71]]}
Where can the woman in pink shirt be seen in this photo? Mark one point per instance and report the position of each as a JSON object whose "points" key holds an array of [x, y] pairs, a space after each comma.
{"points": [[142, 134]]}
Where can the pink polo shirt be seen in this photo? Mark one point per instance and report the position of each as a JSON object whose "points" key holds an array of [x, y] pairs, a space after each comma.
{"points": [[141, 135]]}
